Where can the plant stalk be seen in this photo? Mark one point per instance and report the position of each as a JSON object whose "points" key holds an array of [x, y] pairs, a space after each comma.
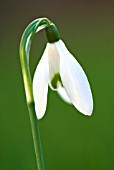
{"points": [[25, 44]]}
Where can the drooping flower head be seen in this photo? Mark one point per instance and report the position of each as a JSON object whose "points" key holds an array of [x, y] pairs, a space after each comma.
{"points": [[63, 73]]}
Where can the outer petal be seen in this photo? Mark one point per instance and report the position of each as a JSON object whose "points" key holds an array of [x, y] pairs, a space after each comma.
{"points": [[75, 81], [61, 91], [40, 85]]}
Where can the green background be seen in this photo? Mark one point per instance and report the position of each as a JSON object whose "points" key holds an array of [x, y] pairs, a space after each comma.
{"points": [[70, 140]]}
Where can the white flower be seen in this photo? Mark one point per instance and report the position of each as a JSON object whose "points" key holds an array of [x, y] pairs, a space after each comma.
{"points": [[63, 73]]}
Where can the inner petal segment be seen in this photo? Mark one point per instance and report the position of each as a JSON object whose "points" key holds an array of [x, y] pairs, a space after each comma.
{"points": [[54, 66]]}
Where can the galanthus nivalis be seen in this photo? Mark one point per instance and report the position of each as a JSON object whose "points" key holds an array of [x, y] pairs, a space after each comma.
{"points": [[58, 69], [62, 72]]}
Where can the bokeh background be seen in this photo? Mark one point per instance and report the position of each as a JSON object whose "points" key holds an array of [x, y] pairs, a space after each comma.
{"points": [[70, 140]]}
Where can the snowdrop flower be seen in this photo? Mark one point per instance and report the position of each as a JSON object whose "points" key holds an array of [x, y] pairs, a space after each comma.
{"points": [[57, 69], [62, 72]]}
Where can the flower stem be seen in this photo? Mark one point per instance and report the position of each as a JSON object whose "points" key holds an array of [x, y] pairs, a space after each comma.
{"points": [[36, 137], [25, 43]]}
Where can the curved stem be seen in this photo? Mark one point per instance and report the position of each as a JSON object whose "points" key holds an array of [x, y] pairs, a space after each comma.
{"points": [[25, 43]]}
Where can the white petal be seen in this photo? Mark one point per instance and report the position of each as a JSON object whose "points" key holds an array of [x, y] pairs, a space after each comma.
{"points": [[75, 81], [53, 61], [40, 85], [61, 91]]}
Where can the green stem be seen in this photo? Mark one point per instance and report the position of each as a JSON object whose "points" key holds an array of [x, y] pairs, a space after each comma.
{"points": [[24, 57], [36, 137]]}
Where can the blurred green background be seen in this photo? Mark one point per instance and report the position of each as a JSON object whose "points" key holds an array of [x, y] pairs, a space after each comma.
{"points": [[70, 140]]}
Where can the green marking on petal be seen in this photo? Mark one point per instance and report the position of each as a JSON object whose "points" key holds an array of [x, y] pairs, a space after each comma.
{"points": [[55, 80]]}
